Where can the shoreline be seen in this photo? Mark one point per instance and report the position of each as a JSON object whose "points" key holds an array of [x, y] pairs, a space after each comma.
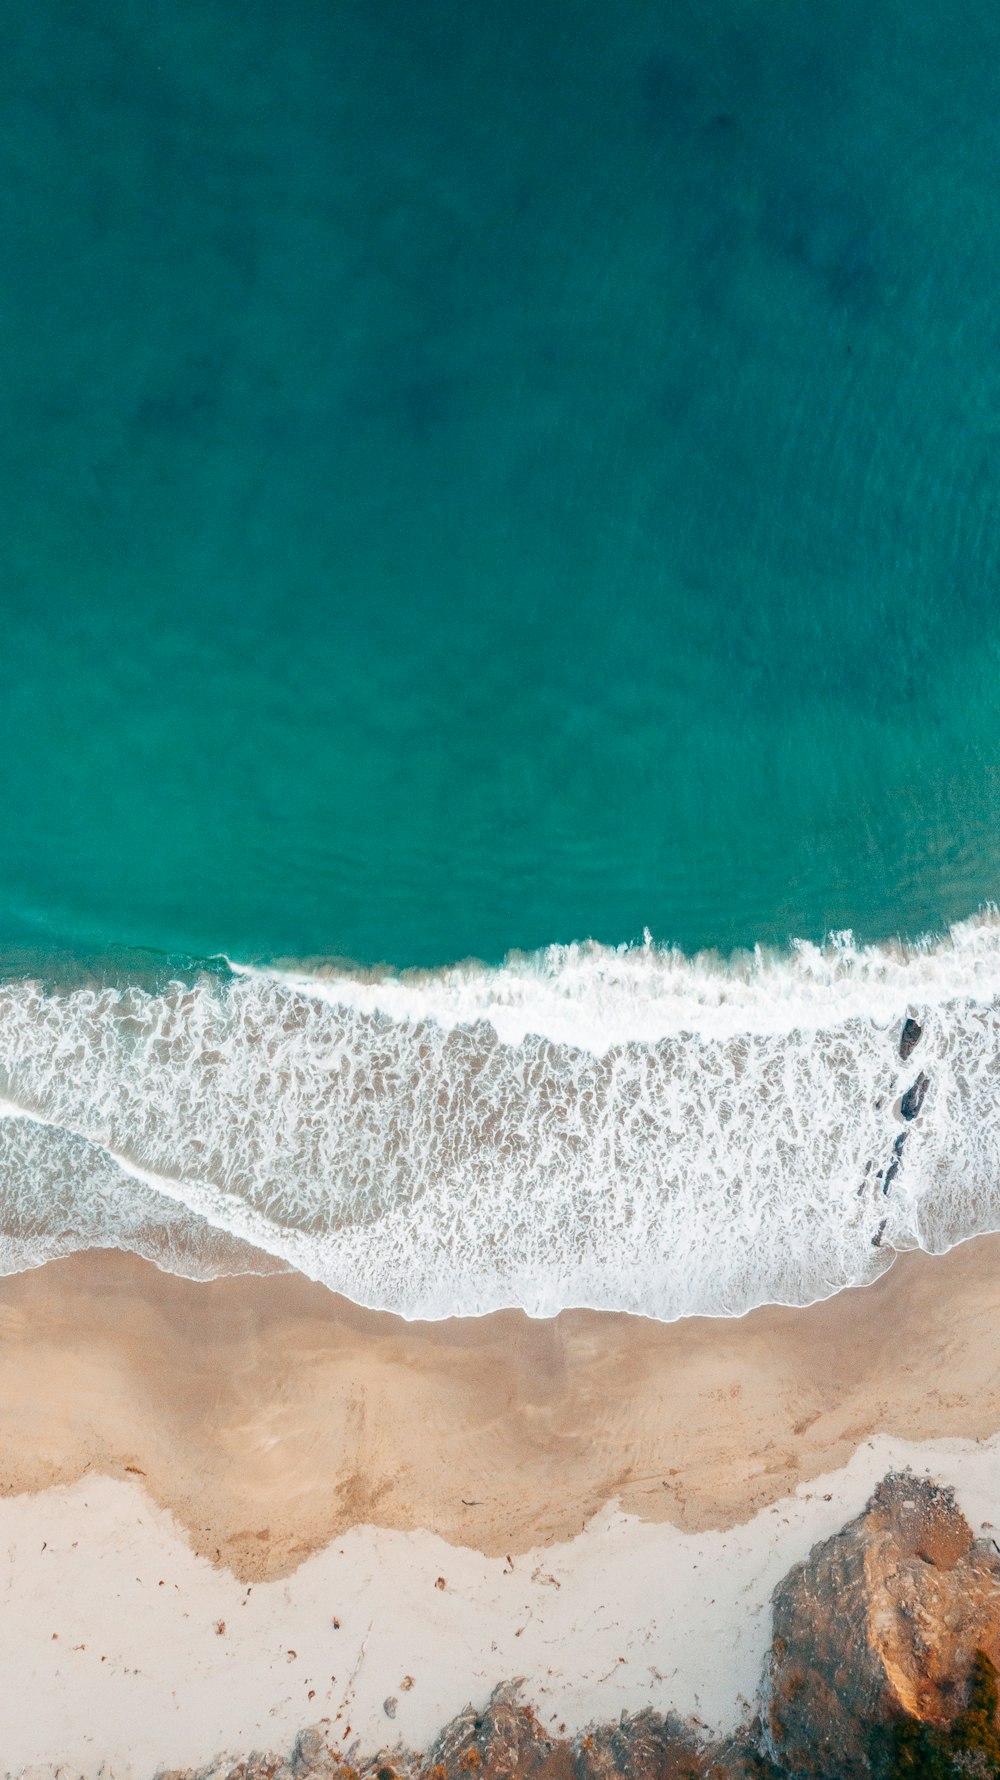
{"points": [[268, 1416]]}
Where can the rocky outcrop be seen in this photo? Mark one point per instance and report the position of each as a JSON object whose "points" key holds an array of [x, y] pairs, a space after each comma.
{"points": [[878, 1627], [505, 1741], [880, 1622], [914, 1097], [653, 1747]]}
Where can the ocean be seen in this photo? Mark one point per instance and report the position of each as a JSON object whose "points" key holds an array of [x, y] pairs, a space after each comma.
{"points": [[499, 643]]}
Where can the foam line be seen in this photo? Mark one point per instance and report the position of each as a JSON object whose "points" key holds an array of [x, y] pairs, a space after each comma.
{"points": [[596, 997]]}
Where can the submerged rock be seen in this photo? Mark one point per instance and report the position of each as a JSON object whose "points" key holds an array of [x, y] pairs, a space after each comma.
{"points": [[896, 1163], [910, 1036], [914, 1097], [881, 1621]]}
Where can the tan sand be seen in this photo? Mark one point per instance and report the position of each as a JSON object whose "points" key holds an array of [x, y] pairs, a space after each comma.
{"points": [[270, 1417]]}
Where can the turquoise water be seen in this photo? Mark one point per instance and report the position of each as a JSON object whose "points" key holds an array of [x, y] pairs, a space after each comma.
{"points": [[488, 483], [476, 477]]}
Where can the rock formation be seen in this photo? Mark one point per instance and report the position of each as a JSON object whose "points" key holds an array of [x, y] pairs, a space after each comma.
{"points": [[880, 1622], [505, 1741], [914, 1097]]}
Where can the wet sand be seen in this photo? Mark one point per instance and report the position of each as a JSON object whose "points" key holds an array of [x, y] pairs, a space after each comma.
{"points": [[269, 1417]]}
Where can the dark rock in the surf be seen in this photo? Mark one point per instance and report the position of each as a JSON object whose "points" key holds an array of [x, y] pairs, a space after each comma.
{"points": [[910, 1036], [914, 1097], [894, 1166], [877, 1238]]}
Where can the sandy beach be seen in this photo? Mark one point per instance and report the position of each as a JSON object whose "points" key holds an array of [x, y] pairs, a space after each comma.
{"points": [[269, 1417], [499, 891], [235, 1510]]}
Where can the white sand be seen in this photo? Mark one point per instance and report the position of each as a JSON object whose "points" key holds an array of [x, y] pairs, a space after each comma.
{"points": [[109, 1652]]}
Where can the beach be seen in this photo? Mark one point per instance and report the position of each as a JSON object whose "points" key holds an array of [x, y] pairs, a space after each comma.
{"points": [[500, 879], [591, 1503], [268, 1417]]}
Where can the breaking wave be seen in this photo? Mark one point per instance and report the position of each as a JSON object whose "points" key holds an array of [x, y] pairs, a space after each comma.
{"points": [[626, 1129]]}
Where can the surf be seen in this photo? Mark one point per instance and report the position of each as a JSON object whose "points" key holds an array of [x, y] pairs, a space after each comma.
{"points": [[618, 1128]]}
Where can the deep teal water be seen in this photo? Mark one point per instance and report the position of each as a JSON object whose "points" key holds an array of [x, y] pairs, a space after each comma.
{"points": [[474, 476]]}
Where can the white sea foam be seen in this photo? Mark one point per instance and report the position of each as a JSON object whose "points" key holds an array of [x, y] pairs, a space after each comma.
{"points": [[595, 997], [626, 1129]]}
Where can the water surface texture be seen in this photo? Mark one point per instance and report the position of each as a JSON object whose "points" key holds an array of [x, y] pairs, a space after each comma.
{"points": [[476, 477], [489, 483]]}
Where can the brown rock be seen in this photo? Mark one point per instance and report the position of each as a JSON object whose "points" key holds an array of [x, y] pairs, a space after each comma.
{"points": [[650, 1746], [504, 1740], [880, 1621]]}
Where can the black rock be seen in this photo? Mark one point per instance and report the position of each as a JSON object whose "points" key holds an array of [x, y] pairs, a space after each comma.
{"points": [[898, 1145], [914, 1097], [909, 1037], [890, 1174], [877, 1238]]}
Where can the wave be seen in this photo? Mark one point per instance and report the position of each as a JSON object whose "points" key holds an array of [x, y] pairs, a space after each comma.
{"points": [[620, 1128]]}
